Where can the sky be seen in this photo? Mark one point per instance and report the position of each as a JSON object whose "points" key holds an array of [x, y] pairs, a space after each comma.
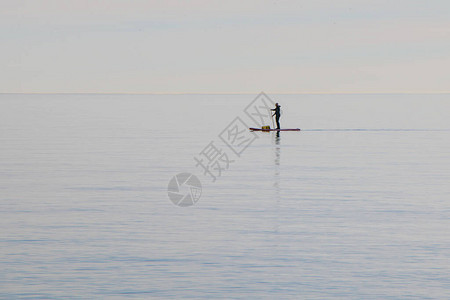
{"points": [[246, 46]]}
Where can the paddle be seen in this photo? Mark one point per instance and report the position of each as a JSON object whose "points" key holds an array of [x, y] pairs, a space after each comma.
{"points": [[271, 117]]}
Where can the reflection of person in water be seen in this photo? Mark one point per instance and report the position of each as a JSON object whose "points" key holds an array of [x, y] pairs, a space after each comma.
{"points": [[277, 114]]}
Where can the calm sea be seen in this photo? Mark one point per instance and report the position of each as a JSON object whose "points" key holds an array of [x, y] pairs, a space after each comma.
{"points": [[354, 206]]}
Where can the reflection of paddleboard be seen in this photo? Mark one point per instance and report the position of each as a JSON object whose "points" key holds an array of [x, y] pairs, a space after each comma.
{"points": [[284, 129]]}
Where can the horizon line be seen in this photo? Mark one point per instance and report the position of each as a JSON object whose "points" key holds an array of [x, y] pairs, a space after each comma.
{"points": [[232, 93]]}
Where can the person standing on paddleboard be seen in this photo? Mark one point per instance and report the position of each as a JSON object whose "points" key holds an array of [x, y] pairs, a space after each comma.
{"points": [[277, 114]]}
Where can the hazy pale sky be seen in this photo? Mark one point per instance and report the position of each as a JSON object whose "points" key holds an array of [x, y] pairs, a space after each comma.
{"points": [[225, 46]]}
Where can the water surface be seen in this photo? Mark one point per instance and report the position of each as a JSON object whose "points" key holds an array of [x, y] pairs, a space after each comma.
{"points": [[354, 206]]}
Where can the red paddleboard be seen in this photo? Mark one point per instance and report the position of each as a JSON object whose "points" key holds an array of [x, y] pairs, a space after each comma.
{"points": [[284, 129]]}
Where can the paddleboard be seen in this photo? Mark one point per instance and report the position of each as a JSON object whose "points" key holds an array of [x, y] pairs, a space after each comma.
{"points": [[283, 129]]}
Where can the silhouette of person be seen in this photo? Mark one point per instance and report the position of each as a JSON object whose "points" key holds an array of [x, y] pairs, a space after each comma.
{"points": [[277, 114]]}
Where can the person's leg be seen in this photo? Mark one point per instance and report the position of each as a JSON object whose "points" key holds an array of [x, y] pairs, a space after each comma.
{"points": [[278, 123]]}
